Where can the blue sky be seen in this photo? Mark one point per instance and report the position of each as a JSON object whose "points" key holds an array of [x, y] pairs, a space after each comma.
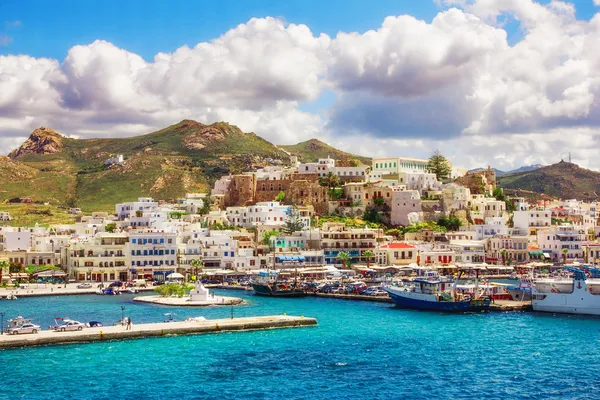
{"points": [[146, 27], [428, 77]]}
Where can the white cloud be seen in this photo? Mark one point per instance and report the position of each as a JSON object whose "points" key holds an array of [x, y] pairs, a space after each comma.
{"points": [[407, 87]]}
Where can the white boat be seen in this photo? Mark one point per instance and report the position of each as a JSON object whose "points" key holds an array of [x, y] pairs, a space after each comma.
{"points": [[579, 295]]}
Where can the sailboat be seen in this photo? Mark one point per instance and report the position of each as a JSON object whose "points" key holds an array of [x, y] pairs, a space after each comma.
{"points": [[278, 289]]}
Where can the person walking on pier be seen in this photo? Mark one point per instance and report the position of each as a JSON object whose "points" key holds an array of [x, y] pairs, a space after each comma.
{"points": [[128, 328]]}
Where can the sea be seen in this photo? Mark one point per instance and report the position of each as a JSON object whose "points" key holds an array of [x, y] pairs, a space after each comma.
{"points": [[359, 350]]}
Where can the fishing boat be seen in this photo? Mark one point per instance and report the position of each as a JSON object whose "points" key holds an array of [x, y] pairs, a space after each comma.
{"points": [[278, 289], [437, 295], [578, 295]]}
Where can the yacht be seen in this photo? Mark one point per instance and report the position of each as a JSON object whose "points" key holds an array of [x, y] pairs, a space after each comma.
{"points": [[579, 295]]}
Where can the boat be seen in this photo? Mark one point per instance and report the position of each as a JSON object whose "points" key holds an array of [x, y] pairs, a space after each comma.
{"points": [[578, 295], [264, 286], [437, 294], [277, 289], [129, 290], [11, 297], [110, 291]]}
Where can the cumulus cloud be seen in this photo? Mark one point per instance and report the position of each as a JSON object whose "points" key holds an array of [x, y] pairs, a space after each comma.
{"points": [[254, 76], [407, 87]]}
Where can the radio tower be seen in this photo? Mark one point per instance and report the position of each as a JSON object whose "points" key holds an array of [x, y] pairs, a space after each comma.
{"points": [[569, 156]]}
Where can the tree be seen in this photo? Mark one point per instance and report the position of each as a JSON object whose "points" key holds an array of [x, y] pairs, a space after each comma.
{"points": [[206, 206], [266, 237], [110, 228], [440, 166], [368, 255], [503, 253], [280, 196], [3, 266], [344, 257], [331, 180], [198, 265], [293, 222], [564, 255], [499, 194], [451, 223]]}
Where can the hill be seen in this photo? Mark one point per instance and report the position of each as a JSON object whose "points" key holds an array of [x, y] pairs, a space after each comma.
{"points": [[562, 180], [185, 157], [520, 169], [313, 149]]}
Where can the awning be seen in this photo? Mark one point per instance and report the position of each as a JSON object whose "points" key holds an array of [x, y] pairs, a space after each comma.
{"points": [[290, 258], [546, 255], [536, 253], [49, 273], [175, 275]]}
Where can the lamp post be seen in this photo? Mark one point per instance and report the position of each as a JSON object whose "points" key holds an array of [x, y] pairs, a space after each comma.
{"points": [[122, 314], [2, 323]]}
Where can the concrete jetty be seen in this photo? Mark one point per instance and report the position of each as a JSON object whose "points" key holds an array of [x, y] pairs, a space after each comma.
{"points": [[55, 291], [119, 332]]}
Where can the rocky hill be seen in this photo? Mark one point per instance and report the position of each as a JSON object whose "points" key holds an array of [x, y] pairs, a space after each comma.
{"points": [[185, 157], [562, 180], [313, 149]]}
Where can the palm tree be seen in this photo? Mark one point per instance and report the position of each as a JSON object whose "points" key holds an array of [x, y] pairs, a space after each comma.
{"points": [[564, 254], [332, 180], [197, 264], [344, 257], [368, 255], [504, 253], [3, 265]]}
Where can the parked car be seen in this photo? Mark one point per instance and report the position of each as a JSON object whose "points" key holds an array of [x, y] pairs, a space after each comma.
{"points": [[85, 285], [69, 325], [139, 283], [25, 328], [94, 324], [157, 283], [116, 284]]}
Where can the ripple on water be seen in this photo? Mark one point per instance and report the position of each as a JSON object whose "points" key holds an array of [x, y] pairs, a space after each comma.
{"points": [[359, 349]]}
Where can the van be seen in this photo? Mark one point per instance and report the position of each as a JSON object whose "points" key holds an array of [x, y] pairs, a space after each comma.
{"points": [[139, 282]]}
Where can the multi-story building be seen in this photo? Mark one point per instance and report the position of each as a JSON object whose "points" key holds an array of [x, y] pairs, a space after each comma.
{"points": [[396, 253], [103, 258], [504, 249], [467, 251], [563, 239], [131, 209], [153, 254], [405, 207], [336, 238], [532, 220]]}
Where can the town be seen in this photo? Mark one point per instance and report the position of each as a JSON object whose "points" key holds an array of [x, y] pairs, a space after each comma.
{"points": [[398, 216]]}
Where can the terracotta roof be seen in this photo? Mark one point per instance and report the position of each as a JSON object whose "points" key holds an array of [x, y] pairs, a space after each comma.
{"points": [[397, 245]]}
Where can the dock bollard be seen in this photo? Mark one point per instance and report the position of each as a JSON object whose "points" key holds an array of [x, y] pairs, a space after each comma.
{"points": [[284, 314], [101, 335]]}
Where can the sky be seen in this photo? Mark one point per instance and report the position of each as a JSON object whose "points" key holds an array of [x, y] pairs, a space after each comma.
{"points": [[487, 82]]}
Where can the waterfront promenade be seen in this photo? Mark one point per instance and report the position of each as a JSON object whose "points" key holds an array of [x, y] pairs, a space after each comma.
{"points": [[119, 332], [56, 290]]}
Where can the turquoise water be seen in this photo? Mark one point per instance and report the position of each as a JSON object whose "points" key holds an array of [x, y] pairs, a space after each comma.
{"points": [[359, 350]]}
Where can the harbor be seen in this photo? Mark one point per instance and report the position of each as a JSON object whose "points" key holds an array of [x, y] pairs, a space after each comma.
{"points": [[188, 327]]}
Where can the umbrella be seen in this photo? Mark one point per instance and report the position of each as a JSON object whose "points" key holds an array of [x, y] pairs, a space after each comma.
{"points": [[175, 275]]}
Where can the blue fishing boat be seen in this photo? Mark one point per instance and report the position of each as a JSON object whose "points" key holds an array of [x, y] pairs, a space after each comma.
{"points": [[436, 295]]}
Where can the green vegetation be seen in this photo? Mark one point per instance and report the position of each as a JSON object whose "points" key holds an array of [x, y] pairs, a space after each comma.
{"points": [[344, 257], [173, 289], [110, 228], [440, 166], [293, 222], [30, 214], [562, 180], [368, 255], [348, 221], [280, 196], [182, 158], [266, 237], [451, 223], [313, 149], [330, 180]]}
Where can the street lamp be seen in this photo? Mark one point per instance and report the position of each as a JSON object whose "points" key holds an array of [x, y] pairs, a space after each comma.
{"points": [[122, 314], [2, 323]]}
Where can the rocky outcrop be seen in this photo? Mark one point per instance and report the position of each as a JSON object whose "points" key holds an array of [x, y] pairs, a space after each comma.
{"points": [[201, 135], [41, 141]]}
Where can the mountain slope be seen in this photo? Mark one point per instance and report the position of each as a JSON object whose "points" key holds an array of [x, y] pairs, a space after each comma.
{"points": [[562, 180], [184, 157], [313, 149]]}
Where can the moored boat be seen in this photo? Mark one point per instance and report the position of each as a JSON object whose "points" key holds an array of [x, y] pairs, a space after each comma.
{"points": [[574, 296], [277, 289], [436, 295]]}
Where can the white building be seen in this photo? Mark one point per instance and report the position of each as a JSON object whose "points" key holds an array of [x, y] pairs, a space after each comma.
{"points": [[556, 238], [153, 254], [403, 204], [130, 209], [531, 220], [115, 160]]}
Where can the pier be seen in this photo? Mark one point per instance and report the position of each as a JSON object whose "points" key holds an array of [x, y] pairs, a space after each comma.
{"points": [[119, 332]]}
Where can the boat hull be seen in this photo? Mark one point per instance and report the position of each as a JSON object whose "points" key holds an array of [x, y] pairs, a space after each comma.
{"points": [[405, 300], [261, 289], [579, 301]]}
